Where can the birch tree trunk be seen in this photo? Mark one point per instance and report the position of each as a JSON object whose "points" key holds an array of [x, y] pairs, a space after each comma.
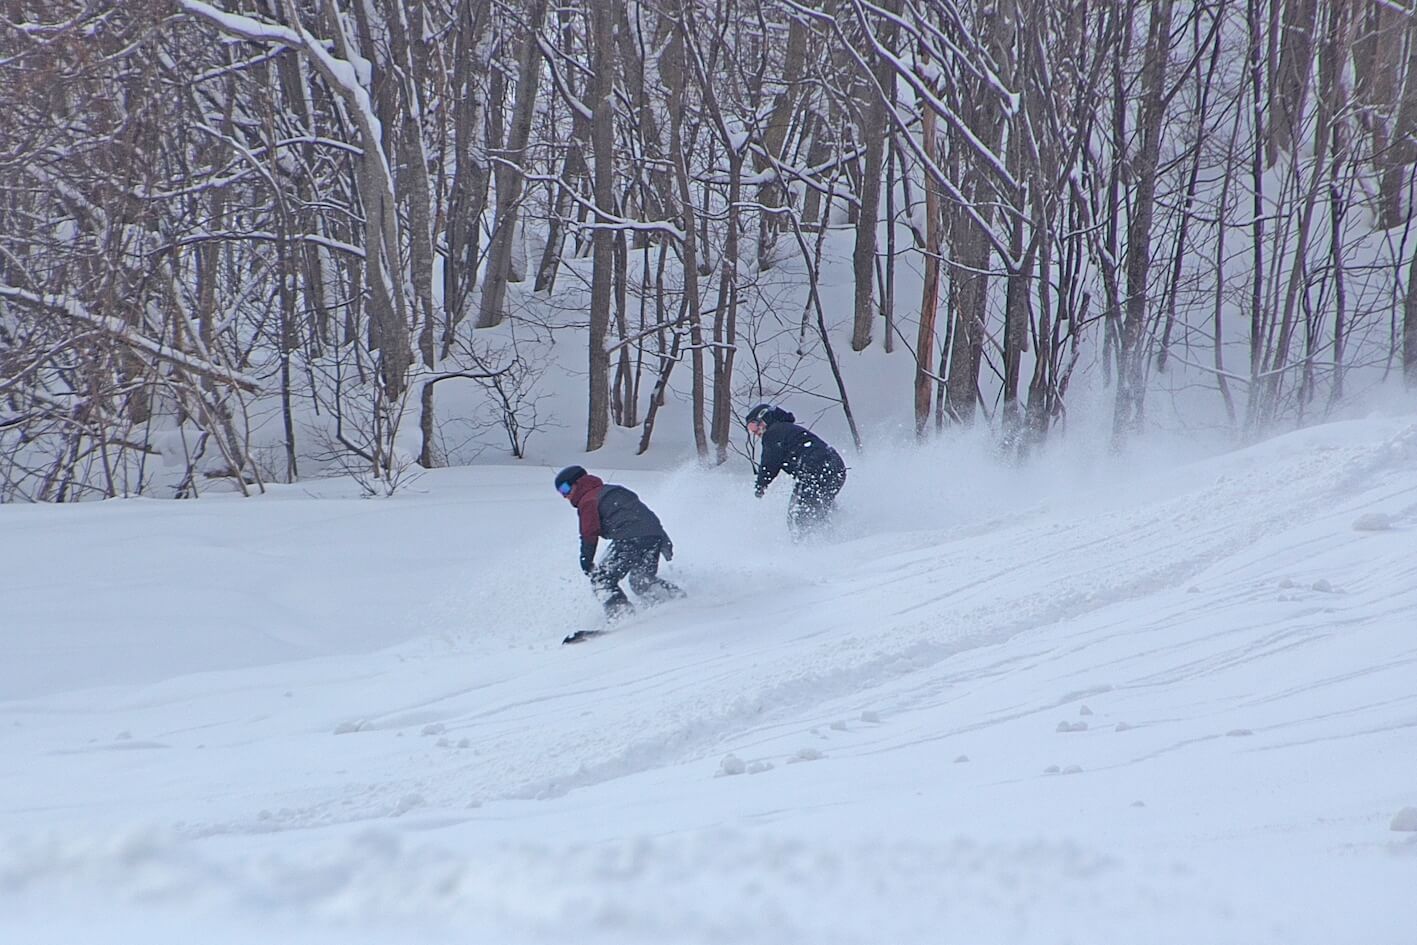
{"points": [[971, 241], [602, 15], [508, 173], [930, 295], [1132, 361], [871, 88]]}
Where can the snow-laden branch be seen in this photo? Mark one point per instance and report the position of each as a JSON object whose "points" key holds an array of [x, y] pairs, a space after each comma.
{"points": [[435, 377], [550, 54], [605, 220], [346, 76], [246, 27], [34, 361], [911, 74], [207, 236], [973, 60], [234, 67], [342, 75], [122, 332], [931, 167], [238, 176], [1259, 376], [1400, 8], [653, 330]]}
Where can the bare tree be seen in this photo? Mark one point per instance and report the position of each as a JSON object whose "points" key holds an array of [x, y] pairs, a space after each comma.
{"points": [[508, 171]]}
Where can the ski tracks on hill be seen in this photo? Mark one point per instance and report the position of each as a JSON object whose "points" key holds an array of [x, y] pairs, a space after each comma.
{"points": [[851, 631], [876, 627]]}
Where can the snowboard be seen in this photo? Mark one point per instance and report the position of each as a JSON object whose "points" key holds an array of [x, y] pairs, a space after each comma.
{"points": [[631, 615]]}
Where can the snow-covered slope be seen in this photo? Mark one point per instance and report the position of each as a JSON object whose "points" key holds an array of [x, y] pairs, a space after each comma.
{"points": [[1171, 703]]}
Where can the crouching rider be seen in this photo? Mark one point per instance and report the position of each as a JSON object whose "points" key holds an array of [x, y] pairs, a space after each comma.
{"points": [[637, 540]]}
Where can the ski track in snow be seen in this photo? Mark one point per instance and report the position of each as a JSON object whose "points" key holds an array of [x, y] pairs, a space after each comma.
{"points": [[776, 667], [859, 651], [380, 886]]}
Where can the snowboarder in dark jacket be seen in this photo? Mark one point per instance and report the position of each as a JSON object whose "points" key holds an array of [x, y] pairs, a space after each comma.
{"points": [[802, 454], [637, 539]]}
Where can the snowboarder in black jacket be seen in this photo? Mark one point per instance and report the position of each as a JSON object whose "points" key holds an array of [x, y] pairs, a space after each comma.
{"points": [[802, 454], [637, 539]]}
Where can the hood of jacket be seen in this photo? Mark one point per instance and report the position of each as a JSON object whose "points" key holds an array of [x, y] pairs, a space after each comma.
{"points": [[583, 487]]}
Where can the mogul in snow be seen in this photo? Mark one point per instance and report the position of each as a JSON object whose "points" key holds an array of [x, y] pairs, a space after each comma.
{"points": [[806, 457], [637, 539]]}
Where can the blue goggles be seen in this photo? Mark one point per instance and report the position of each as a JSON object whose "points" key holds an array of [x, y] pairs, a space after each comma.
{"points": [[564, 488]]}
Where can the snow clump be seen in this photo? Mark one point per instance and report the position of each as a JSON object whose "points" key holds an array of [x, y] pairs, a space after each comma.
{"points": [[407, 803], [1405, 819]]}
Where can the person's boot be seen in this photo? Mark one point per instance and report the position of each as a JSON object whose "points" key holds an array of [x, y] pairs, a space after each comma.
{"points": [[617, 605], [657, 591]]}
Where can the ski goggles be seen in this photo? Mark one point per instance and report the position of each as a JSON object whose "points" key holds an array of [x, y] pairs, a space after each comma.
{"points": [[564, 488]]}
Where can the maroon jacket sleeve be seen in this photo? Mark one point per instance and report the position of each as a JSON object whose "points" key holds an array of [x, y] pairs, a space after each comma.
{"points": [[589, 511]]}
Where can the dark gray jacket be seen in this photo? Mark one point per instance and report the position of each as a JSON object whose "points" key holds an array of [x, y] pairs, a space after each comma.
{"points": [[613, 512]]}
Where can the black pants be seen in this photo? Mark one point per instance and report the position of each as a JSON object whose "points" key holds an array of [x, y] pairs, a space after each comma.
{"points": [[637, 558], [814, 496]]}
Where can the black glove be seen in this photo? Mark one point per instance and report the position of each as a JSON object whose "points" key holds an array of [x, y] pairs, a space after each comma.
{"points": [[666, 548]]}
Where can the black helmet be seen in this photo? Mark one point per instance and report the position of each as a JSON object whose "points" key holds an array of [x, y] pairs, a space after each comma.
{"points": [[567, 478], [758, 414]]}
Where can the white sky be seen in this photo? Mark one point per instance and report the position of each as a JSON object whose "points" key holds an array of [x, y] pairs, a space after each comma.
{"points": [[334, 719]]}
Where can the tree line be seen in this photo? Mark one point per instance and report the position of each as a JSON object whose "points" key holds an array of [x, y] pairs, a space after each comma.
{"points": [[249, 236]]}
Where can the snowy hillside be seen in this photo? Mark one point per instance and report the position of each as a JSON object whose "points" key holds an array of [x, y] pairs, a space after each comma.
{"points": [[1162, 702]]}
